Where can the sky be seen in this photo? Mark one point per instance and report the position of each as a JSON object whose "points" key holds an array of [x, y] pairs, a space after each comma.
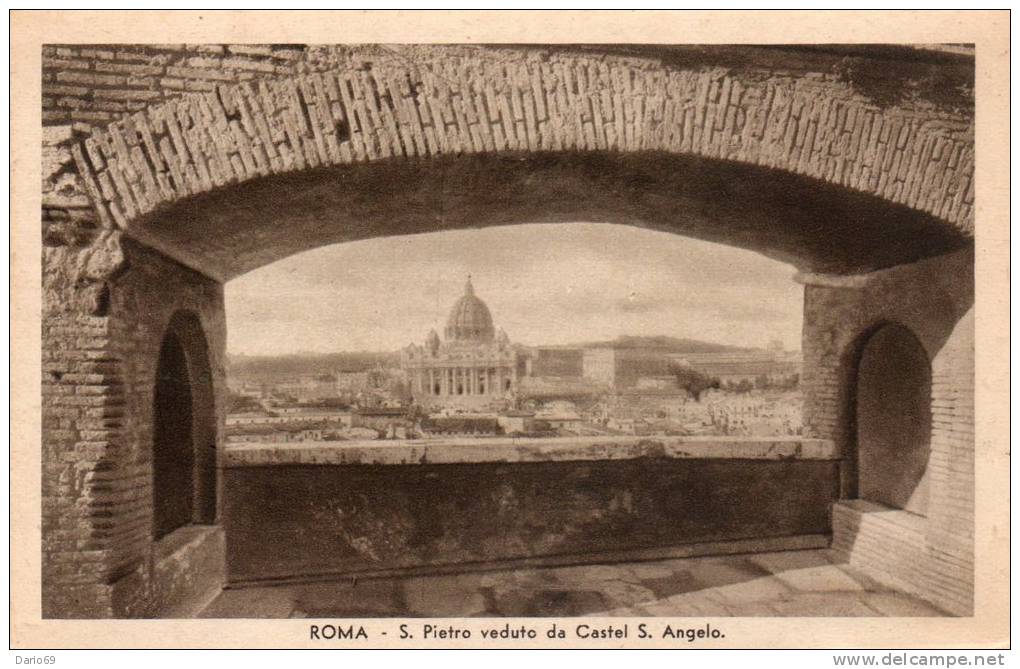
{"points": [[545, 284]]}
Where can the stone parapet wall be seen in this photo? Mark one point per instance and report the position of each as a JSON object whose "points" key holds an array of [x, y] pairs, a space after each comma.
{"points": [[301, 521]]}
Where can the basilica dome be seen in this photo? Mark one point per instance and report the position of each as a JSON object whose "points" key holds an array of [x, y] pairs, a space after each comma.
{"points": [[469, 319]]}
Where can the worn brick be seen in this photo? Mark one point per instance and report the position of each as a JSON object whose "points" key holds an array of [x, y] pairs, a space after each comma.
{"points": [[90, 79]]}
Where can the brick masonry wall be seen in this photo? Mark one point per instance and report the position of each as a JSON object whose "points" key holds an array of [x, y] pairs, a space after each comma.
{"points": [[885, 543], [98, 381], [81, 407], [896, 548], [160, 124], [934, 299], [92, 85]]}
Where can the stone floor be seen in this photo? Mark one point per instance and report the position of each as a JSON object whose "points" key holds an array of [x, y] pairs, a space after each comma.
{"points": [[792, 583]]}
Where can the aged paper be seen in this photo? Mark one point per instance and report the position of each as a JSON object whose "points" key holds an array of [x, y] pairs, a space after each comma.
{"points": [[585, 444]]}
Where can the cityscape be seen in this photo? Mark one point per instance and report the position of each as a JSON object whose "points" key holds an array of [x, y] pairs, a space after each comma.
{"points": [[475, 382]]}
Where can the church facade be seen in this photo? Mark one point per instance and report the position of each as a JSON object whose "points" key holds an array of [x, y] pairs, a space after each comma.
{"points": [[474, 366]]}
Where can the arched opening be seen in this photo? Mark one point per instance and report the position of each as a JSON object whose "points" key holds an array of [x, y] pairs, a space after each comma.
{"points": [[184, 430], [173, 449], [893, 419]]}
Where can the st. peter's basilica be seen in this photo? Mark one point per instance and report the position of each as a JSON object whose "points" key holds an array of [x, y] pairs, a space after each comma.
{"points": [[472, 367]]}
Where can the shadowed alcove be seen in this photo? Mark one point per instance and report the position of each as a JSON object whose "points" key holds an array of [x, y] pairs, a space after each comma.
{"points": [[894, 419], [184, 430]]}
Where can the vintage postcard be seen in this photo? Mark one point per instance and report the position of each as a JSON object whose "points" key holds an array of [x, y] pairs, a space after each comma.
{"points": [[510, 330]]}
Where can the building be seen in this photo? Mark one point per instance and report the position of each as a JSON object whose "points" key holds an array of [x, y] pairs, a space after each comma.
{"points": [[554, 362], [308, 387], [351, 381], [735, 366], [473, 366], [599, 365], [285, 415], [389, 421], [516, 421]]}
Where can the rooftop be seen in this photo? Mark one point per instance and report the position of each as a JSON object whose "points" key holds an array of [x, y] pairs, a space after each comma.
{"points": [[513, 449]]}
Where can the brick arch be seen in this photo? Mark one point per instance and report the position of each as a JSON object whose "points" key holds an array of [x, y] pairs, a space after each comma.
{"points": [[425, 103]]}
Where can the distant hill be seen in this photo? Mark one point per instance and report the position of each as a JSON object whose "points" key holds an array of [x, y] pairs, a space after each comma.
{"points": [[297, 364], [664, 344]]}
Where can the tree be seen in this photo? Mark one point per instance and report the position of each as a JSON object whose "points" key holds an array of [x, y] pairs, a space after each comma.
{"points": [[691, 380], [743, 386]]}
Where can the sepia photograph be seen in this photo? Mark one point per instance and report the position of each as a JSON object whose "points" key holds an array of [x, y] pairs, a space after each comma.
{"points": [[647, 337]]}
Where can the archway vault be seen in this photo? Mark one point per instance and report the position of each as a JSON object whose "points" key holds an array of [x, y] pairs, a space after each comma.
{"points": [[424, 119], [810, 224]]}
